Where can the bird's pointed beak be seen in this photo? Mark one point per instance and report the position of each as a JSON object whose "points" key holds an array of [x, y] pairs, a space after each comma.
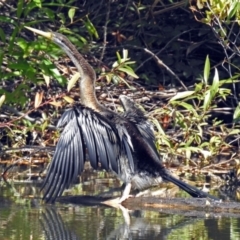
{"points": [[48, 35]]}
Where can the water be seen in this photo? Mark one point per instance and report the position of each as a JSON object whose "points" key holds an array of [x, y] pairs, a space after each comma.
{"points": [[79, 222], [24, 217]]}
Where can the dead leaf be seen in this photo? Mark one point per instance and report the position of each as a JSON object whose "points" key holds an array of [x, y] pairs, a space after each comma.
{"points": [[38, 99], [68, 99]]}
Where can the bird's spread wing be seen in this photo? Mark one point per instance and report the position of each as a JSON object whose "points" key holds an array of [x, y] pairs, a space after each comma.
{"points": [[84, 128]]}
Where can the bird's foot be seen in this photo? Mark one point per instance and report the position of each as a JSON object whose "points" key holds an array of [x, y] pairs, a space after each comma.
{"points": [[116, 202]]}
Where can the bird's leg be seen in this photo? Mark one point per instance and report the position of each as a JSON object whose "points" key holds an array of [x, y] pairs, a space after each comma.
{"points": [[125, 213], [117, 201], [126, 193]]}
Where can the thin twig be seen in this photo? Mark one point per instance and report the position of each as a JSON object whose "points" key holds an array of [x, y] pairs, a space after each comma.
{"points": [[105, 32], [162, 64], [162, 49]]}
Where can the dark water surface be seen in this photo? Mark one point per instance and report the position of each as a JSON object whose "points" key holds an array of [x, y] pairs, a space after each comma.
{"points": [[27, 218]]}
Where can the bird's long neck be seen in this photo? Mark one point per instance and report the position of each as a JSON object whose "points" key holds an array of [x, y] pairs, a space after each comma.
{"points": [[88, 78]]}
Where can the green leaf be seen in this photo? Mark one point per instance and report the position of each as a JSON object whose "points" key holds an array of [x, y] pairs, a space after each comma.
{"points": [[234, 7], [2, 35], [186, 106], [207, 100], [129, 71], [62, 17], [206, 70], [198, 139], [117, 77], [1, 58], [158, 126], [48, 68], [7, 20], [38, 3], [22, 44], [71, 13], [234, 131], [236, 114], [20, 65], [198, 87], [129, 62], [181, 95], [215, 85], [109, 77], [19, 8], [49, 13], [12, 39], [118, 62], [91, 29]]}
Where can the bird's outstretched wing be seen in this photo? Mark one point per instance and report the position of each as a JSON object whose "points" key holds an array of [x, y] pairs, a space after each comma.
{"points": [[84, 128]]}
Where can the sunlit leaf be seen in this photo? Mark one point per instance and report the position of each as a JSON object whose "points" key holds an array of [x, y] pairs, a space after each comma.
{"points": [[233, 8], [234, 131], [200, 130], [38, 99], [73, 80], [56, 103], [236, 114], [2, 99], [125, 54], [206, 154], [181, 95], [48, 66], [38, 3], [158, 126], [109, 77], [68, 99], [206, 70], [207, 100], [115, 64], [129, 62], [71, 13], [188, 153], [186, 106], [215, 85], [130, 72], [46, 79]]}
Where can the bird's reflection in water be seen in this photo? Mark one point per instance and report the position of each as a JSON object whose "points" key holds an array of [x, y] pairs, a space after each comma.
{"points": [[54, 227], [134, 227]]}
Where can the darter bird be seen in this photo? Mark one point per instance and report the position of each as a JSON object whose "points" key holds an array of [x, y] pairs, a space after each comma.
{"points": [[121, 143]]}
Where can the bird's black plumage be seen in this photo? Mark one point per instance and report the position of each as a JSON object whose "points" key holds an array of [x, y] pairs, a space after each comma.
{"points": [[121, 143]]}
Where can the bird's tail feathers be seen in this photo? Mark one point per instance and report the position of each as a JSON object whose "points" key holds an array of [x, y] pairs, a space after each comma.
{"points": [[191, 190]]}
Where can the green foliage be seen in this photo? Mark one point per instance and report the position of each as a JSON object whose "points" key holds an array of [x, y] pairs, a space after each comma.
{"points": [[121, 66], [192, 113], [224, 18], [225, 10], [236, 115]]}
